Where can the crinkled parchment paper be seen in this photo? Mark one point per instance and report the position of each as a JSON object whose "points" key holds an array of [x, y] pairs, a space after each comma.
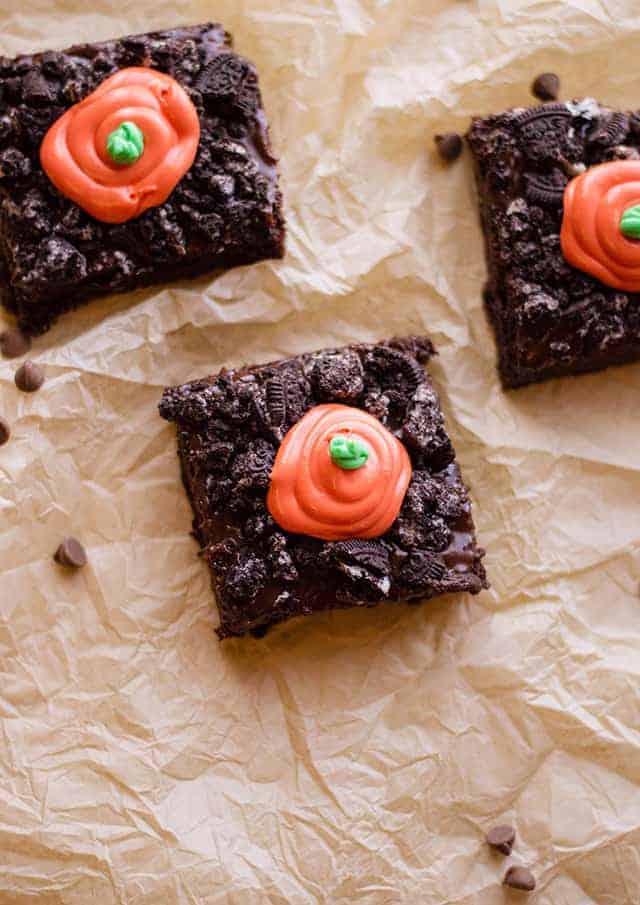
{"points": [[351, 757]]}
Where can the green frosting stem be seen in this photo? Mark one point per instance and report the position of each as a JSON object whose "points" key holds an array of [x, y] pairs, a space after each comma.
{"points": [[348, 452], [125, 144], [630, 222]]}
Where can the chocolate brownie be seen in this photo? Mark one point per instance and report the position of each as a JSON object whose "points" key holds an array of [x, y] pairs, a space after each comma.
{"points": [[230, 428], [225, 211], [549, 318]]}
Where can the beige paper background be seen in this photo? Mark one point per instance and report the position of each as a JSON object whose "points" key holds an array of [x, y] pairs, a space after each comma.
{"points": [[352, 757]]}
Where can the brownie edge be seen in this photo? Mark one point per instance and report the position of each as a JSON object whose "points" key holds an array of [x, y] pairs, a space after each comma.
{"points": [[225, 211], [229, 429]]}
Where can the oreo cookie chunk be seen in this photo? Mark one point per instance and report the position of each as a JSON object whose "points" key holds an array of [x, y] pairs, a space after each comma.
{"points": [[559, 302], [167, 173], [324, 481]]}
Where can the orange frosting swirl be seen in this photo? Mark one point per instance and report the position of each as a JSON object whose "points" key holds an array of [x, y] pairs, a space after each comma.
{"points": [[74, 151], [310, 494], [591, 240]]}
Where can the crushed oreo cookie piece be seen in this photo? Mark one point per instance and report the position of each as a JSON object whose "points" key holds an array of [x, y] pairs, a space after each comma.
{"points": [[246, 578], [544, 191], [338, 376], [544, 132], [365, 563], [610, 130], [276, 400], [228, 81], [395, 371], [421, 570]]}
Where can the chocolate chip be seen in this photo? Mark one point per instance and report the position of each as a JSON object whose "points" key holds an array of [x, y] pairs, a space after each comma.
{"points": [[14, 343], [71, 553], [502, 838], [449, 145], [29, 377], [546, 86], [519, 878], [5, 431]]}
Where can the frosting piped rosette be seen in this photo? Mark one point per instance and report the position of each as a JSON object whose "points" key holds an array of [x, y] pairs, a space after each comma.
{"points": [[338, 474], [125, 147], [598, 234]]}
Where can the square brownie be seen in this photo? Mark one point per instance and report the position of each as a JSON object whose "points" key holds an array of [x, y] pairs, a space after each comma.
{"points": [[230, 428], [549, 318], [225, 211]]}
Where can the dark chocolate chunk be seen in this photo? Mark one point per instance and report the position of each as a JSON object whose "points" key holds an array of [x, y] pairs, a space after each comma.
{"points": [[29, 377], [5, 431], [519, 878], [71, 554], [502, 838], [449, 146], [546, 86], [14, 343]]}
